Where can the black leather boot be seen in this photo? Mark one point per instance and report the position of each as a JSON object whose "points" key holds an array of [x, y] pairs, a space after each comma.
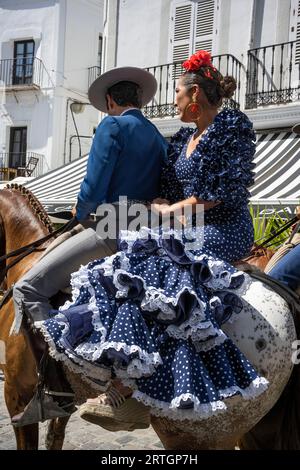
{"points": [[54, 396]]}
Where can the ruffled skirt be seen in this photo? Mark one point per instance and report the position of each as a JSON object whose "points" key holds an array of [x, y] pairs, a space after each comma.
{"points": [[152, 315]]}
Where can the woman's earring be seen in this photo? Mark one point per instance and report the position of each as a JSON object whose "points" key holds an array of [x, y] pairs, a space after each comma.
{"points": [[193, 110]]}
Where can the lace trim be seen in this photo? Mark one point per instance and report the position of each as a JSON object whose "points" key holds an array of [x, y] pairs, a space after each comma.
{"points": [[138, 367], [200, 410], [211, 343], [257, 386], [154, 298], [80, 366], [200, 336], [190, 233]]}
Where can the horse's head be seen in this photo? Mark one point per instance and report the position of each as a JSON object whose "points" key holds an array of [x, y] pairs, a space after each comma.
{"points": [[23, 220]]}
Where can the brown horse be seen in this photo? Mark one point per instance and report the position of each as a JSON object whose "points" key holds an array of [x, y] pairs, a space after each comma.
{"points": [[22, 221]]}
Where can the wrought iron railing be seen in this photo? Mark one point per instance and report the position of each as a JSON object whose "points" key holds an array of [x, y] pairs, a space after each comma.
{"points": [[166, 75], [79, 145], [24, 72], [273, 75], [93, 73], [13, 164]]}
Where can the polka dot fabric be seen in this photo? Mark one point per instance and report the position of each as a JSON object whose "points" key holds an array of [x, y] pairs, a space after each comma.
{"points": [[152, 314]]}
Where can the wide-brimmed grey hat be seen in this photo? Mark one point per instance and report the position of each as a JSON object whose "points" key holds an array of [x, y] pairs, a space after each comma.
{"points": [[98, 89], [296, 128]]}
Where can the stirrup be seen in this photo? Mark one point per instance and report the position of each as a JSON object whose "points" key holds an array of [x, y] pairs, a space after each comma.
{"points": [[40, 408]]}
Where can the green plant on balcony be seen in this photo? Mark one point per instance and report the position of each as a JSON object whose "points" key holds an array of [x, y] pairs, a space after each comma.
{"points": [[265, 226]]}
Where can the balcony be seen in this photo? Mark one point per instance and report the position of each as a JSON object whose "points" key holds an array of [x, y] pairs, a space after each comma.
{"points": [[23, 74], [166, 75], [20, 164], [93, 73], [273, 75]]}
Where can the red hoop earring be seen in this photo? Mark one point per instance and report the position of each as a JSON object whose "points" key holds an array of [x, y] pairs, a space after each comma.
{"points": [[192, 110]]}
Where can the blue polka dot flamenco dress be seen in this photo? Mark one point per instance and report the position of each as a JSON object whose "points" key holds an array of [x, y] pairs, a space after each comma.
{"points": [[152, 314]]}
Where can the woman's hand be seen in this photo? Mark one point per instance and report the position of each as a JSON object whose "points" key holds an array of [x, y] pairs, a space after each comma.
{"points": [[161, 209], [160, 200]]}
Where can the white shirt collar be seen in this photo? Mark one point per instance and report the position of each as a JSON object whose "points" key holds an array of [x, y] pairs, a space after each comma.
{"points": [[129, 109]]}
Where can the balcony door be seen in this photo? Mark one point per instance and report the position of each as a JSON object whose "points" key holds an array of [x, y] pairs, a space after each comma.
{"points": [[23, 62], [17, 147]]}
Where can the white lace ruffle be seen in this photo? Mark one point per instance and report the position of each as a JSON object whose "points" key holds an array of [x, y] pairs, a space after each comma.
{"points": [[145, 364], [75, 364], [259, 384], [154, 298], [200, 410], [194, 235]]}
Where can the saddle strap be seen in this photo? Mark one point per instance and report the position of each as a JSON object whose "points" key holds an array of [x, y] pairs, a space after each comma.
{"points": [[6, 296]]}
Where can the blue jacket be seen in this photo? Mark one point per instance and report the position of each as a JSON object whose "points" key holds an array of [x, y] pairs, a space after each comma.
{"points": [[126, 159]]}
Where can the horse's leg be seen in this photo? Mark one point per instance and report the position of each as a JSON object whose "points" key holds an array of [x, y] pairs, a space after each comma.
{"points": [[56, 433], [27, 437], [20, 382]]}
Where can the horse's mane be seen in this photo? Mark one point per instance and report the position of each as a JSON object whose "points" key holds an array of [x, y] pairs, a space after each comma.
{"points": [[34, 203]]}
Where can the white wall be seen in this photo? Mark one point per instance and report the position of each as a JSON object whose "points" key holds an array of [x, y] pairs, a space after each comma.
{"points": [[143, 32], [83, 24], [66, 35], [143, 28]]}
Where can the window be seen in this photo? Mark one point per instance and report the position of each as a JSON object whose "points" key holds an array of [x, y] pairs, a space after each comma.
{"points": [[17, 147], [23, 62], [295, 28], [192, 28]]}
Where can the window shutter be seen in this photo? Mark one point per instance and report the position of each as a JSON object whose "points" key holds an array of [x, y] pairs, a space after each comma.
{"points": [[183, 31], [204, 25], [297, 56]]}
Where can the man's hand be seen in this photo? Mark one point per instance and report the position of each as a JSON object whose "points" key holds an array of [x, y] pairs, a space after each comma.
{"points": [[73, 211]]}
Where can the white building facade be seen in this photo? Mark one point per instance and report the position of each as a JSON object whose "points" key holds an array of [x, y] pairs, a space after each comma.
{"points": [[49, 52], [257, 41]]}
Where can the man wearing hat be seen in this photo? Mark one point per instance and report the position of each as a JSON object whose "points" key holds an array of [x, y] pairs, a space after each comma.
{"points": [[125, 160]]}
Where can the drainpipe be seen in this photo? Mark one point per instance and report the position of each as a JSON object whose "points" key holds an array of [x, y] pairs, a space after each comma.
{"points": [[66, 127], [117, 31], [252, 25]]}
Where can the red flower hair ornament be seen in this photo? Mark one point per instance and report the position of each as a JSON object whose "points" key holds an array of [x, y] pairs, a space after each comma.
{"points": [[198, 60]]}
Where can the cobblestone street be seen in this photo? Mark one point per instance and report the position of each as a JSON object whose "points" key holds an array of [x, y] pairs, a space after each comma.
{"points": [[82, 435]]}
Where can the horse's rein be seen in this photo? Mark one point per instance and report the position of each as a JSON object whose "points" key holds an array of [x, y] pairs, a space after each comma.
{"points": [[285, 226], [25, 251]]}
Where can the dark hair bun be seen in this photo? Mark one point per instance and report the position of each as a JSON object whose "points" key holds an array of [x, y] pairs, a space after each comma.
{"points": [[228, 84]]}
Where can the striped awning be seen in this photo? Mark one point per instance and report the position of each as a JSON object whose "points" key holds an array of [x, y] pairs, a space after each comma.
{"points": [[277, 171], [277, 181]]}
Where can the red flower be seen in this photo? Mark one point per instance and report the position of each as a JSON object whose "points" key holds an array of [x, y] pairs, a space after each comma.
{"points": [[197, 60]]}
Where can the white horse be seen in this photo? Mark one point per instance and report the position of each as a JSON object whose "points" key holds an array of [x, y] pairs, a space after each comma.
{"points": [[264, 332]]}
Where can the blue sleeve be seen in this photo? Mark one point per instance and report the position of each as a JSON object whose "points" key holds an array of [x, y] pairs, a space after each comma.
{"points": [[224, 162], [102, 159]]}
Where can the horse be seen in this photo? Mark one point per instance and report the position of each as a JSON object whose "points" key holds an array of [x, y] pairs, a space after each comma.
{"points": [[264, 332], [22, 221]]}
